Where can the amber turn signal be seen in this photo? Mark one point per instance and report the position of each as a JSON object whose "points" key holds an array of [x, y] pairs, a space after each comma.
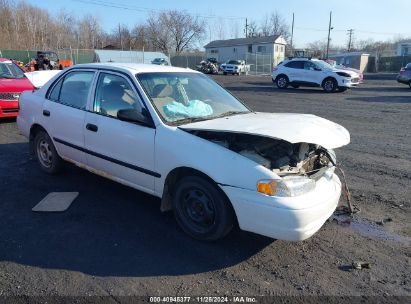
{"points": [[268, 187]]}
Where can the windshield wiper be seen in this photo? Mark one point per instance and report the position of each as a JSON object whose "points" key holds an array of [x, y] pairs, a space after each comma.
{"points": [[189, 120], [195, 119], [230, 113]]}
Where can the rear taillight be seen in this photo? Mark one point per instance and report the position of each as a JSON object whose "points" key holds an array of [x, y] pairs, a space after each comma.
{"points": [[402, 71]]}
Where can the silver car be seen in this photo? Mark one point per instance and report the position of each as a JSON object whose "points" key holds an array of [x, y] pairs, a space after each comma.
{"points": [[405, 75]]}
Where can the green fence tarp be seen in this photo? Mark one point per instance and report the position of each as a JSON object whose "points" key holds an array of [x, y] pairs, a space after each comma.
{"points": [[77, 56]]}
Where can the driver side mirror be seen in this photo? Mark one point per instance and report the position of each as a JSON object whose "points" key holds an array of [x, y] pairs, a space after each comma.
{"points": [[134, 116], [317, 69]]}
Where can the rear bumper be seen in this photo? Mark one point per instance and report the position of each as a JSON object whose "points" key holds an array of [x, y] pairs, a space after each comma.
{"points": [[286, 218], [9, 108], [403, 80]]}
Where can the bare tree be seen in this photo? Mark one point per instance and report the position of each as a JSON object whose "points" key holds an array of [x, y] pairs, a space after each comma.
{"points": [[275, 24], [252, 29], [174, 30]]}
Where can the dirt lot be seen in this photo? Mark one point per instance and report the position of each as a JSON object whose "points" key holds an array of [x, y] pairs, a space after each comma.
{"points": [[114, 241]]}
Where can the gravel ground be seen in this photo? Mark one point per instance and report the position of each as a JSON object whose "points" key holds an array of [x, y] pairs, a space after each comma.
{"points": [[113, 241]]}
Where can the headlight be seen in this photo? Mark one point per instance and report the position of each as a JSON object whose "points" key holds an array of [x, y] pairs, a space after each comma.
{"points": [[289, 186], [344, 74]]}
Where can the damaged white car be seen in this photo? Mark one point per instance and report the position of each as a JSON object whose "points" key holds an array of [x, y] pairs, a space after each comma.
{"points": [[176, 134]]}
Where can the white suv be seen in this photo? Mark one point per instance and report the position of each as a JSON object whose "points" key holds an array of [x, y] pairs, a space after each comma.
{"points": [[313, 73]]}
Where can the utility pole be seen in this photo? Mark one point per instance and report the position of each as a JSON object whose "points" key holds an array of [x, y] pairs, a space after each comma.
{"points": [[292, 36], [246, 28], [350, 33], [329, 32], [121, 40]]}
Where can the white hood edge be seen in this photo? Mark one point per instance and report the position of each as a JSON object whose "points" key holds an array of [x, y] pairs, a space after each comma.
{"points": [[40, 78], [294, 128]]}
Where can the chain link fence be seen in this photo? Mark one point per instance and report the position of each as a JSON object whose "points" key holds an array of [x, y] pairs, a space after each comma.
{"points": [[187, 60], [260, 64]]}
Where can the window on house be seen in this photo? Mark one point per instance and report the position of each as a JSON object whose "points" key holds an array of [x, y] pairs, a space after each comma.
{"points": [[234, 50], [250, 48], [262, 49], [214, 51]]}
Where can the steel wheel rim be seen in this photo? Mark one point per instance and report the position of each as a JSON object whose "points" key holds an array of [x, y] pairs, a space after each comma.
{"points": [[198, 209], [44, 153]]}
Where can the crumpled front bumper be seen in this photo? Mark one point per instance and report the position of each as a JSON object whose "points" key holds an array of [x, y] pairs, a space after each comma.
{"points": [[286, 218]]}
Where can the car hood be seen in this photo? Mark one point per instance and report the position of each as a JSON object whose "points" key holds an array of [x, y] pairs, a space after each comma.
{"points": [[351, 72], [15, 85], [294, 128], [39, 78]]}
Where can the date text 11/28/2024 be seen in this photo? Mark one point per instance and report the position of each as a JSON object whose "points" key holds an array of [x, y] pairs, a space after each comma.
{"points": [[205, 299]]}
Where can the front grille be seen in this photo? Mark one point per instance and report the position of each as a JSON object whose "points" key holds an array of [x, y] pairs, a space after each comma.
{"points": [[11, 110], [9, 96]]}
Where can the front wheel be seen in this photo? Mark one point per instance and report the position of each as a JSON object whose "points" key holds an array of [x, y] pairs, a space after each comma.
{"points": [[46, 153], [330, 85], [201, 210], [282, 82]]}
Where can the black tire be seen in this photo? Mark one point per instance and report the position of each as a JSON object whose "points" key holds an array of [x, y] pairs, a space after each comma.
{"points": [[282, 82], [225, 73], [50, 162], [330, 85], [295, 86], [201, 210], [342, 89]]}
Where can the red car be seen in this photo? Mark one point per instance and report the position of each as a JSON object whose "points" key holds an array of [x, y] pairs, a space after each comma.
{"points": [[12, 83]]}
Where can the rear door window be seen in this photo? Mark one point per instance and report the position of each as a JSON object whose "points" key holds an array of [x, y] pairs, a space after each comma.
{"points": [[73, 89], [295, 64]]}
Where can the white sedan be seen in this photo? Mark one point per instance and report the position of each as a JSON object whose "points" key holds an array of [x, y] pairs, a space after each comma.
{"points": [[176, 134]]}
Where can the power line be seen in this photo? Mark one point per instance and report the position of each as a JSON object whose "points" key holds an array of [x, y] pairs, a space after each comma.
{"points": [[145, 9]]}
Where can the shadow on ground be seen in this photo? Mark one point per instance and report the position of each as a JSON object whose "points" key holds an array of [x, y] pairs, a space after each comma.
{"points": [[110, 229], [384, 99], [265, 89]]}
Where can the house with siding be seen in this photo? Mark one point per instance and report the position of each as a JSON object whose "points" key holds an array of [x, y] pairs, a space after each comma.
{"points": [[242, 48]]}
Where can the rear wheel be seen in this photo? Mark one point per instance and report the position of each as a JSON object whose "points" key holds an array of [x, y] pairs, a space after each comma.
{"points": [[201, 210], [330, 85], [282, 82], [46, 153]]}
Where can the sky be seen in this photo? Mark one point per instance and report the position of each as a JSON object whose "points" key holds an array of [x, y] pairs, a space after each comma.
{"points": [[374, 19]]}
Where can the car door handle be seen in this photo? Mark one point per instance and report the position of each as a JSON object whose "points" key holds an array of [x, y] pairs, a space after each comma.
{"points": [[92, 127], [46, 113]]}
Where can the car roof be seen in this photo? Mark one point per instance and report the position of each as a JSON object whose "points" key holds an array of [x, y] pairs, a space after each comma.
{"points": [[302, 59], [135, 68]]}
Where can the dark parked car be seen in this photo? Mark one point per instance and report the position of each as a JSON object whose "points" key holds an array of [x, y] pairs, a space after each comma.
{"points": [[405, 75]]}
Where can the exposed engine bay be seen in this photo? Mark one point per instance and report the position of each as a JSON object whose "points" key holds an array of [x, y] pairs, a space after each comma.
{"points": [[282, 157]]}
